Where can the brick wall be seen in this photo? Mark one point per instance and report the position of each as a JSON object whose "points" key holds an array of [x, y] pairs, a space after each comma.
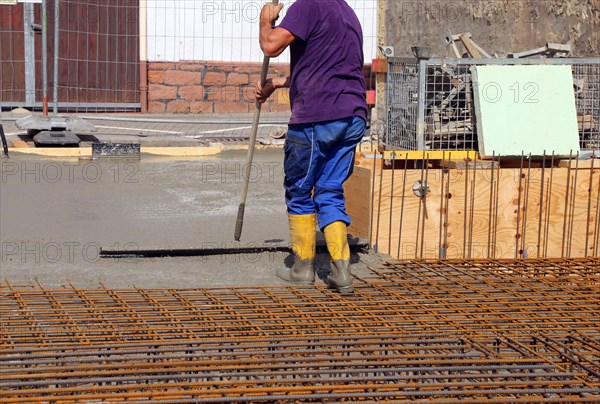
{"points": [[212, 87], [207, 87]]}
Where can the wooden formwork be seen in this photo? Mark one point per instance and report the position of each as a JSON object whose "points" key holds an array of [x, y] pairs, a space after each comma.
{"points": [[477, 211]]}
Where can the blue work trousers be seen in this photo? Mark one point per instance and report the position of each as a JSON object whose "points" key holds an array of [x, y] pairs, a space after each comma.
{"points": [[319, 158]]}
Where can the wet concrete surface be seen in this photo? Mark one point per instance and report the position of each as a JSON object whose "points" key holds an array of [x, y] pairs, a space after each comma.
{"points": [[56, 215]]}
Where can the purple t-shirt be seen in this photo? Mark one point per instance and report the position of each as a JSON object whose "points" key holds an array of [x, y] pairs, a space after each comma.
{"points": [[327, 81]]}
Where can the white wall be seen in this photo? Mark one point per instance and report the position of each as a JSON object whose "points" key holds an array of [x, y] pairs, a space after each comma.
{"points": [[225, 30]]}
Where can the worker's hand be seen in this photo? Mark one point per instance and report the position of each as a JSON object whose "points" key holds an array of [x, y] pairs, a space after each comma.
{"points": [[270, 12], [263, 93]]}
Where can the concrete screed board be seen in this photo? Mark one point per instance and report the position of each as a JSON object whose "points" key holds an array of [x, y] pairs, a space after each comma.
{"points": [[525, 110]]}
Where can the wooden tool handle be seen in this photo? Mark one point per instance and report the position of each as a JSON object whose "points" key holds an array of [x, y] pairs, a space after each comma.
{"points": [[239, 223]]}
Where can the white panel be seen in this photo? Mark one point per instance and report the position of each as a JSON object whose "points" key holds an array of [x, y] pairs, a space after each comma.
{"points": [[525, 110]]}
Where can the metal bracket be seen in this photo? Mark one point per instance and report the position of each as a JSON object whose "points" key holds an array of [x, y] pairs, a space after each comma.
{"points": [[387, 51], [421, 189]]}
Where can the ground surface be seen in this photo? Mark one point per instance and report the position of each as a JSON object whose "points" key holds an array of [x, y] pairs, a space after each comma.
{"points": [[56, 214]]}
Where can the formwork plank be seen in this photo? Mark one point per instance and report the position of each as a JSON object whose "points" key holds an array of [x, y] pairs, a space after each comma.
{"points": [[478, 213]]}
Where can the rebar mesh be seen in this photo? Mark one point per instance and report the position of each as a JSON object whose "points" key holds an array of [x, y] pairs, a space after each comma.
{"points": [[441, 331]]}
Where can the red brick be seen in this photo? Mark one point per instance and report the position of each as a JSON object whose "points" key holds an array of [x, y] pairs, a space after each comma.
{"points": [[197, 107], [219, 66], [178, 107], [225, 107], [193, 93], [155, 107], [159, 92], [248, 94], [213, 93], [237, 78], [249, 68], [214, 78], [282, 69], [156, 76], [161, 66], [232, 93], [192, 67], [255, 78], [177, 77], [224, 94]]}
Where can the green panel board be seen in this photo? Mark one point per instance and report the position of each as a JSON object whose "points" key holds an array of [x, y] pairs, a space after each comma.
{"points": [[525, 110]]}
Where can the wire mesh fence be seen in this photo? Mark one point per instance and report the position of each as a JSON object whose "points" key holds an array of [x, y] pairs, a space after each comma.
{"points": [[80, 56], [402, 100], [157, 56], [430, 102], [99, 56]]}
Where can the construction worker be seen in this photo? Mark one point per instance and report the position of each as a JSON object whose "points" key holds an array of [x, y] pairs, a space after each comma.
{"points": [[329, 112]]}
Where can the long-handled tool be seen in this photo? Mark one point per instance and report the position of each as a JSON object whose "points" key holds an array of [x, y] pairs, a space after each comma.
{"points": [[242, 208], [135, 252]]}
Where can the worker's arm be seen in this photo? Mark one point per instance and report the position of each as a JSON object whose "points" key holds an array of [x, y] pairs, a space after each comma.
{"points": [[264, 92], [273, 41]]}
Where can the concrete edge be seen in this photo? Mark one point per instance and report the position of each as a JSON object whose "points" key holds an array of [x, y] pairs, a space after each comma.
{"points": [[86, 152]]}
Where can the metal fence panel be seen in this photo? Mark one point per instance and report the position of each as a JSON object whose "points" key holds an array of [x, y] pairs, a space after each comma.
{"points": [[99, 58], [157, 56], [445, 118], [87, 59], [402, 99]]}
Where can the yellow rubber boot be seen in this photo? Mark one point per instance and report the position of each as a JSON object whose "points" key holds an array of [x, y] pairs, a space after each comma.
{"points": [[303, 235], [340, 277]]}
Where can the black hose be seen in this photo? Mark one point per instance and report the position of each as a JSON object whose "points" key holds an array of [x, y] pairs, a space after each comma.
{"points": [[4, 142]]}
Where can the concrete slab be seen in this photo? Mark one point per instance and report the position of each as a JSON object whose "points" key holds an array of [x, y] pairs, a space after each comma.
{"points": [[56, 214]]}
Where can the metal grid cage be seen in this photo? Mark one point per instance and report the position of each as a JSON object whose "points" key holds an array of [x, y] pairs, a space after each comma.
{"points": [[430, 102]]}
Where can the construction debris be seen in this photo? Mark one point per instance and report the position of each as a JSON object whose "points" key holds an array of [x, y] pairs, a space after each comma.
{"points": [[551, 50], [473, 49]]}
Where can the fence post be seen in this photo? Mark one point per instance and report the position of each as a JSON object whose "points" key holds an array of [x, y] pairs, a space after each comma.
{"points": [[29, 40], [56, 47], [421, 106], [45, 56], [143, 21]]}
